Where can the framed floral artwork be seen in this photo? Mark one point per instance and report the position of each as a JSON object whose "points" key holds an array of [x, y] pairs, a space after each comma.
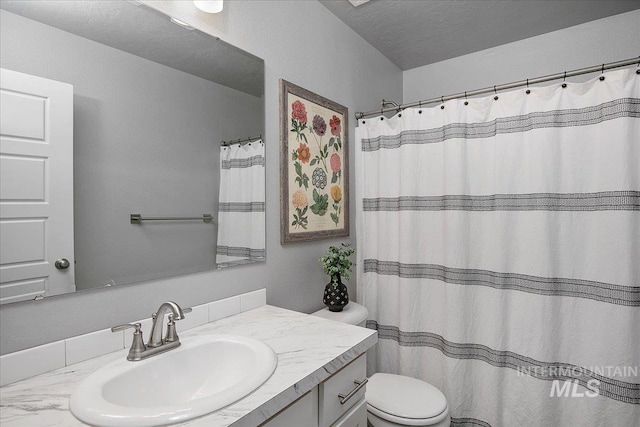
{"points": [[314, 166]]}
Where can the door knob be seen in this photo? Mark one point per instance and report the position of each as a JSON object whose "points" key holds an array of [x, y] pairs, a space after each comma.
{"points": [[62, 263]]}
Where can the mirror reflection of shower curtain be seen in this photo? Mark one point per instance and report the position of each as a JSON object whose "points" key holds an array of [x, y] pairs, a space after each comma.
{"points": [[498, 248], [241, 218]]}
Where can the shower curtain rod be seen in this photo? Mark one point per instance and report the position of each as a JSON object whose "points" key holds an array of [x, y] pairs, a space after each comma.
{"points": [[241, 140], [496, 88]]}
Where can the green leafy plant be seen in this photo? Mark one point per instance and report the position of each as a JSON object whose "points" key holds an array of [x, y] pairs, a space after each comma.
{"points": [[336, 261]]}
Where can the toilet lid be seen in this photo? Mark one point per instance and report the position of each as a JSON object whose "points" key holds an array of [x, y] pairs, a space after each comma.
{"points": [[404, 397]]}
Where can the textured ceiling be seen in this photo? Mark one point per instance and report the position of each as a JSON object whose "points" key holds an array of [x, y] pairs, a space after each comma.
{"points": [[412, 33], [143, 32]]}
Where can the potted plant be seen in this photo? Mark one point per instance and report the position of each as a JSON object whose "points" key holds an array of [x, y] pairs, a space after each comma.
{"points": [[336, 264]]}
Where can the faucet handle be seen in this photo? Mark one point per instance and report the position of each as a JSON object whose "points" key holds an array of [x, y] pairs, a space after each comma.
{"points": [[137, 345], [127, 326], [172, 334]]}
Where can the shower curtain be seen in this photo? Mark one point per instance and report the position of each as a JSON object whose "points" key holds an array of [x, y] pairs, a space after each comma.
{"points": [[241, 219], [499, 252]]}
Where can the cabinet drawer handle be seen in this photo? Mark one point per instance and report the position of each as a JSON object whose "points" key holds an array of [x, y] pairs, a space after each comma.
{"points": [[359, 384]]}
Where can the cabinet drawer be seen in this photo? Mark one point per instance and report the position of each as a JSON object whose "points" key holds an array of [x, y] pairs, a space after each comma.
{"points": [[356, 417], [341, 383]]}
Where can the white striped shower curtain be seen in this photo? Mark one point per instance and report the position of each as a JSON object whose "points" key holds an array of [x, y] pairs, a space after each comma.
{"points": [[499, 252], [241, 220]]}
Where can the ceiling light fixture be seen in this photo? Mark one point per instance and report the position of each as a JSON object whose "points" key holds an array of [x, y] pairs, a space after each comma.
{"points": [[209, 6]]}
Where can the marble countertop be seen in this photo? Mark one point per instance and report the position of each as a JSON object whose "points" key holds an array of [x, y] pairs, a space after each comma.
{"points": [[309, 349]]}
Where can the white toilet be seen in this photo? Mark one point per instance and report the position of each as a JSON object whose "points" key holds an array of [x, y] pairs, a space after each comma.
{"points": [[395, 400]]}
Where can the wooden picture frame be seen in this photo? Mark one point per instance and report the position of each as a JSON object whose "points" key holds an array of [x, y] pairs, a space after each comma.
{"points": [[314, 166]]}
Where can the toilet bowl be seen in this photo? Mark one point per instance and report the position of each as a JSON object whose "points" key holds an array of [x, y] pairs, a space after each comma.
{"points": [[395, 400]]}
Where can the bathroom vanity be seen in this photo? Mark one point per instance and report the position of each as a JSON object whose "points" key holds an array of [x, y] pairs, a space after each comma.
{"points": [[319, 380]]}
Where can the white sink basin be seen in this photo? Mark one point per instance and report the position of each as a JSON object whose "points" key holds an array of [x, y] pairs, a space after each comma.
{"points": [[203, 375]]}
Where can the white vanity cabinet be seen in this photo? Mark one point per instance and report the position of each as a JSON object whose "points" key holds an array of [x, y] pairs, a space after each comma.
{"points": [[337, 402], [323, 375]]}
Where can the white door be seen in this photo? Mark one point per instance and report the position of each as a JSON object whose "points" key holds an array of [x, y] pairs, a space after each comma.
{"points": [[36, 187]]}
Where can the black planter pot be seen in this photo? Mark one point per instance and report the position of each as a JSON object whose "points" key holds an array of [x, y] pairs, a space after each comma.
{"points": [[336, 295]]}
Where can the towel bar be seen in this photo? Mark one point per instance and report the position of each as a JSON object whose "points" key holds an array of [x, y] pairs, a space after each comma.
{"points": [[137, 218]]}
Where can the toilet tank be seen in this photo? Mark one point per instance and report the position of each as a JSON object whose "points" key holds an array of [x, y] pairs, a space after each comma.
{"points": [[353, 314]]}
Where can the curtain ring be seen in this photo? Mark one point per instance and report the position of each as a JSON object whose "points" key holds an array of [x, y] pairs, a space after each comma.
{"points": [[495, 98], [564, 84], [442, 100], [465, 98], [528, 91], [602, 77]]}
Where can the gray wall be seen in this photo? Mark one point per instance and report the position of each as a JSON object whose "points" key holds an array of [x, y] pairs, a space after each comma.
{"points": [[302, 42], [605, 40], [146, 140]]}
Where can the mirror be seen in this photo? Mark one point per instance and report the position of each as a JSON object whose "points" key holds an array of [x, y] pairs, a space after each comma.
{"points": [[152, 101]]}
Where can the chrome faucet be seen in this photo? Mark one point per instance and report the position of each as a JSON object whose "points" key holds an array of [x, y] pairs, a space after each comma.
{"points": [[156, 344]]}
